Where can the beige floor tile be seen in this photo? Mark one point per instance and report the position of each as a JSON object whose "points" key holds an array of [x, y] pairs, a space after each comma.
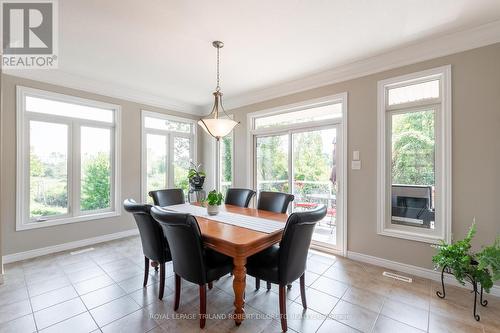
{"points": [[409, 296], [324, 258], [13, 295], [82, 323], [319, 301], [102, 296], [19, 325], [52, 298], [330, 286], [93, 284], [14, 310], [317, 267], [364, 298], [330, 326], [303, 320], [388, 325], [125, 273], [440, 324], [85, 274], [267, 302], [49, 285], [57, 313], [354, 316], [148, 295], [114, 310], [405, 313], [137, 322]]}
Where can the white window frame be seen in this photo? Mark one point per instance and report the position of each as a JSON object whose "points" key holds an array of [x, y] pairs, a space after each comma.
{"points": [[23, 117], [170, 154], [218, 184], [341, 122], [443, 174]]}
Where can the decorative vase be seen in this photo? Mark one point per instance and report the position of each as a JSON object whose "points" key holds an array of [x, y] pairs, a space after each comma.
{"points": [[196, 182], [212, 210]]}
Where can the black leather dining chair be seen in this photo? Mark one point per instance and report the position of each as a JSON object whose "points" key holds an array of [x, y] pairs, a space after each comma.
{"points": [[154, 244], [276, 202], [286, 263], [239, 197], [171, 196], [191, 260]]}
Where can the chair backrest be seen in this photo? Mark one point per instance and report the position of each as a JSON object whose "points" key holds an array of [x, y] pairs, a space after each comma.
{"points": [[171, 196], [295, 243], [154, 243], [276, 202], [239, 196], [185, 242]]}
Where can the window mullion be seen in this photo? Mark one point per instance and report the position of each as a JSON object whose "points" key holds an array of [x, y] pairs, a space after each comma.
{"points": [[171, 161], [76, 164]]}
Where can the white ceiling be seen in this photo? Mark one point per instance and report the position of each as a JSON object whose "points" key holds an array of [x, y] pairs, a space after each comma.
{"points": [[163, 48]]}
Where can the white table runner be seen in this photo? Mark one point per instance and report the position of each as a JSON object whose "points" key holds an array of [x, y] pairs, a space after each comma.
{"points": [[239, 220]]}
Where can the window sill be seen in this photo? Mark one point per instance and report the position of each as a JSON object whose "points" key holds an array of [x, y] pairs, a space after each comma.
{"points": [[414, 236], [35, 225]]}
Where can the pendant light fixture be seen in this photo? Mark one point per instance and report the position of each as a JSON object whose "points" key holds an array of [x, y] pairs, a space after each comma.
{"points": [[213, 124]]}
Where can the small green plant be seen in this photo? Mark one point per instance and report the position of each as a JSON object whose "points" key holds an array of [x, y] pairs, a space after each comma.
{"points": [[195, 171], [214, 198], [483, 266]]}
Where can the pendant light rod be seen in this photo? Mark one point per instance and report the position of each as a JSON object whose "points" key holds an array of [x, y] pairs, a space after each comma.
{"points": [[213, 125]]}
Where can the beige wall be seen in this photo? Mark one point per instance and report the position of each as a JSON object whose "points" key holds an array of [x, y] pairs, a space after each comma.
{"points": [[14, 242], [476, 152], [1, 168]]}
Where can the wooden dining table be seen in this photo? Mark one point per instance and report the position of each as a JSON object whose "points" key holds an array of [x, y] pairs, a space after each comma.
{"points": [[239, 243]]}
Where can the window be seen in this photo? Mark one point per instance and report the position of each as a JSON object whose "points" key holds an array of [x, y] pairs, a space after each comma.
{"points": [[168, 147], [319, 113], [415, 156], [66, 157], [225, 162]]}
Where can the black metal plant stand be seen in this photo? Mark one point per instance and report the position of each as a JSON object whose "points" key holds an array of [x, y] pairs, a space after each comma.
{"points": [[474, 290]]}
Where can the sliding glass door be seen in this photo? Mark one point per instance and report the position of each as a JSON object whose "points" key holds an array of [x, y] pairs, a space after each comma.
{"points": [[272, 160], [302, 162], [314, 173]]}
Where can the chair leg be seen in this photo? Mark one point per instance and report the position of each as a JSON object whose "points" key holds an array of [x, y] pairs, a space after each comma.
{"points": [[162, 280], [146, 271], [303, 290], [203, 305], [177, 292], [283, 308], [268, 285], [257, 284], [210, 285]]}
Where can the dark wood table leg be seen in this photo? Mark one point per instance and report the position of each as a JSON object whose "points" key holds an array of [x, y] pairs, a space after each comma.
{"points": [[239, 283]]}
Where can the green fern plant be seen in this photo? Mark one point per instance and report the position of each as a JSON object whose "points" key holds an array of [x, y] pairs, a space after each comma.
{"points": [[483, 267]]}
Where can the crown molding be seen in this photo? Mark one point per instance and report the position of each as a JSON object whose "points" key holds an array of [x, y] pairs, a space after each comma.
{"points": [[65, 79], [456, 42], [426, 50]]}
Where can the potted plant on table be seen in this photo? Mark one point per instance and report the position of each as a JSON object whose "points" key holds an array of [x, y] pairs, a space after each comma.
{"points": [[214, 200]]}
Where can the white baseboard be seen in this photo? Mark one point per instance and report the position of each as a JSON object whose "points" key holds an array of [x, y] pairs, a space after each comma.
{"points": [[67, 246], [413, 270]]}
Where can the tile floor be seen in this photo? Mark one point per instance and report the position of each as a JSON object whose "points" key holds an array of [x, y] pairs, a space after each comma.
{"points": [[101, 290]]}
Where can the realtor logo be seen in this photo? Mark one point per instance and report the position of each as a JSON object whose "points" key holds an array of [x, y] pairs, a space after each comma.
{"points": [[29, 34]]}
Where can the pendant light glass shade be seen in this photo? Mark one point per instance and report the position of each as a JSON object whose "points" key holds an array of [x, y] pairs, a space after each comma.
{"points": [[217, 128], [213, 124]]}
